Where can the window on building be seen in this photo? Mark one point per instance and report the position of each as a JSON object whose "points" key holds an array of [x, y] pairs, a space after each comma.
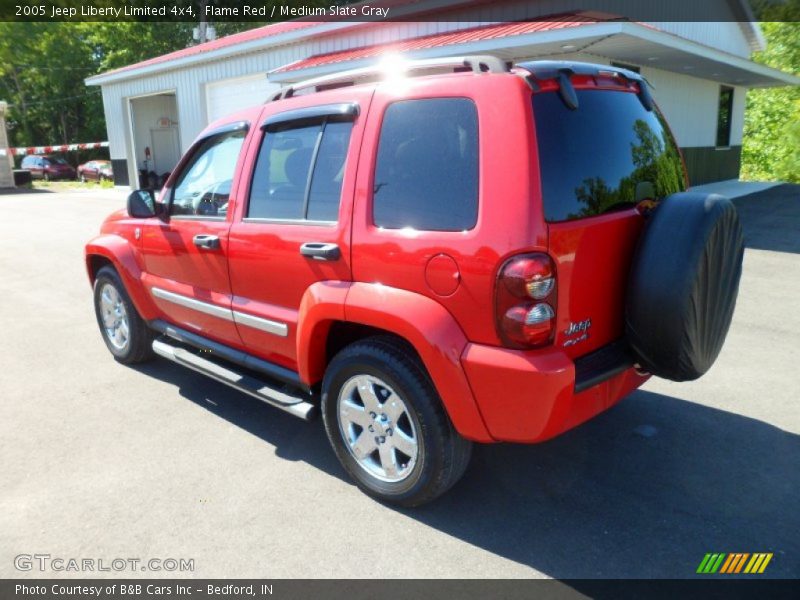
{"points": [[299, 172], [204, 185], [724, 113], [426, 176]]}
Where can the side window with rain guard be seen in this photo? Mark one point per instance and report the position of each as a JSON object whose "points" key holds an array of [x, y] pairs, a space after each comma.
{"points": [[299, 172]]}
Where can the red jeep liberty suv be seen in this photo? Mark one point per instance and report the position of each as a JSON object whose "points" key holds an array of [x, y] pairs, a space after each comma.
{"points": [[454, 251]]}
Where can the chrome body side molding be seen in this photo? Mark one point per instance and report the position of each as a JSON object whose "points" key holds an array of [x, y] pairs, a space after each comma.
{"points": [[240, 318]]}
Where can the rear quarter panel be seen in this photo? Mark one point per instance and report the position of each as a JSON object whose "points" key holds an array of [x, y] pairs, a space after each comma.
{"points": [[508, 222]]}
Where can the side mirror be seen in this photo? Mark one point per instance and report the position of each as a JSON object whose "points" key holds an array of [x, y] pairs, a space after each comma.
{"points": [[142, 204]]}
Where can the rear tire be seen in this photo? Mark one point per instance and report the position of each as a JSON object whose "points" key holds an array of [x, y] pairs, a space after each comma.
{"points": [[125, 333], [387, 425]]}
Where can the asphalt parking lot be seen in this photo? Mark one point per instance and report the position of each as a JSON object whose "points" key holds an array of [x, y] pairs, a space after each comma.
{"points": [[103, 461]]}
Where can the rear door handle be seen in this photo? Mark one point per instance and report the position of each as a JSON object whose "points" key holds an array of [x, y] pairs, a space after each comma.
{"points": [[210, 242], [320, 251]]}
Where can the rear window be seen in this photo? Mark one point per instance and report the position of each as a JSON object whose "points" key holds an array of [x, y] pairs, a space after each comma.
{"points": [[607, 154]]}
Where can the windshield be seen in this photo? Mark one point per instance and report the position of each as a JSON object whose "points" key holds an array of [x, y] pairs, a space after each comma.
{"points": [[608, 153], [57, 161]]}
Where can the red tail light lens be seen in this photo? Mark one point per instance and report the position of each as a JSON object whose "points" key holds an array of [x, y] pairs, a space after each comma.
{"points": [[529, 276], [525, 301]]}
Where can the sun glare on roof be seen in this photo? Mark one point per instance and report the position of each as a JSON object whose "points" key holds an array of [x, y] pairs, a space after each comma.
{"points": [[393, 69]]}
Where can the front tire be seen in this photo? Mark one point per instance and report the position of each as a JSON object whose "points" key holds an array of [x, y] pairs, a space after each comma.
{"points": [[125, 333], [387, 425]]}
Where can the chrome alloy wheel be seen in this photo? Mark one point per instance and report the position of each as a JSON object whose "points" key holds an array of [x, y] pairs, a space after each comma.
{"points": [[377, 428], [115, 318]]}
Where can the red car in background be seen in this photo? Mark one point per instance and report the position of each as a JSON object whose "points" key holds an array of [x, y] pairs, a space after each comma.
{"points": [[96, 170], [48, 167]]}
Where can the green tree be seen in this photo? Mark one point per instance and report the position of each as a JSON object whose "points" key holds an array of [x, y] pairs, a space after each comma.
{"points": [[43, 67], [771, 146], [788, 165]]}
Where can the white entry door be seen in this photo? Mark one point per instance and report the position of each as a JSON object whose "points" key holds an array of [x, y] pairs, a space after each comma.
{"points": [[166, 149]]}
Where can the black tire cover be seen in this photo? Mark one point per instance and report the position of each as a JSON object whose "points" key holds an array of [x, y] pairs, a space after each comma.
{"points": [[683, 285]]}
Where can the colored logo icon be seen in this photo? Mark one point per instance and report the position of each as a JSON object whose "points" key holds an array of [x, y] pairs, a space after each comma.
{"points": [[734, 562]]}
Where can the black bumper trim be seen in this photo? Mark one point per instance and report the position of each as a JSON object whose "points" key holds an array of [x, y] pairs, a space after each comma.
{"points": [[602, 364]]}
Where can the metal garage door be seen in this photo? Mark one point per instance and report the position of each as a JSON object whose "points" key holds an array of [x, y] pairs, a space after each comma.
{"points": [[229, 95]]}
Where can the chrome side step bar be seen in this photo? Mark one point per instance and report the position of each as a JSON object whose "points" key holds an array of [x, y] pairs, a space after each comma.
{"points": [[257, 388], [247, 361]]}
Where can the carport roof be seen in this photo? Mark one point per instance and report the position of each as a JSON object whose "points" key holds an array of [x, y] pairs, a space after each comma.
{"points": [[604, 36]]}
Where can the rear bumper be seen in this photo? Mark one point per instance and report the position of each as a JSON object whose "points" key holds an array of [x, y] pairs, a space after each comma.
{"points": [[534, 396]]}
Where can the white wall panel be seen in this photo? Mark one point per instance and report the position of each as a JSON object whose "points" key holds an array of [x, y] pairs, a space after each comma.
{"points": [[689, 105], [737, 123], [230, 95], [726, 36]]}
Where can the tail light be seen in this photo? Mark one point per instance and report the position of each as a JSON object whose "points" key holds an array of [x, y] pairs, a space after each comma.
{"points": [[525, 301]]}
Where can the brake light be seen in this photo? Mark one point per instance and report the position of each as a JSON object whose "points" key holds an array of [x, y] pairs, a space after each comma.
{"points": [[525, 301]]}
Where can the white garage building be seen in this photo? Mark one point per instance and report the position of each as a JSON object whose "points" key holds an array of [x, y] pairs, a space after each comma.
{"points": [[700, 71]]}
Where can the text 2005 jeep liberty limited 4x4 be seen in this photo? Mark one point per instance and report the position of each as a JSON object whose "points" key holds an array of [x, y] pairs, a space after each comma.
{"points": [[461, 252]]}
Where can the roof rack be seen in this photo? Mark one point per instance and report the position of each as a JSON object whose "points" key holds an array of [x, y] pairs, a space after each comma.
{"points": [[478, 64]]}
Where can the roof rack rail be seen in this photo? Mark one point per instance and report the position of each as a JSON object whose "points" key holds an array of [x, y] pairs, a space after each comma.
{"points": [[478, 64]]}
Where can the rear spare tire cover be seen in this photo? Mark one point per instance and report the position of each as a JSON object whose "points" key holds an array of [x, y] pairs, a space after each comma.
{"points": [[683, 285]]}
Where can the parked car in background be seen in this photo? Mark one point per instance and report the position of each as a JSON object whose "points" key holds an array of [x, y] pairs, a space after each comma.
{"points": [[48, 167], [95, 170]]}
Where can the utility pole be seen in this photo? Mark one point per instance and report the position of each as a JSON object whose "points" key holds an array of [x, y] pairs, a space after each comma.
{"points": [[200, 30], [203, 32]]}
